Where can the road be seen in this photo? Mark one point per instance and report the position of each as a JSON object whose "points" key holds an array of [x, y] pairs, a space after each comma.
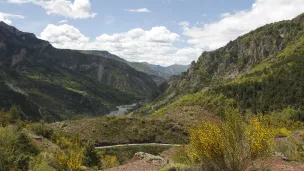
{"points": [[144, 144]]}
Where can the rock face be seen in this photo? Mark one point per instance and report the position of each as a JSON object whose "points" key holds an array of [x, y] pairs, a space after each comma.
{"points": [[58, 84], [235, 59], [242, 54]]}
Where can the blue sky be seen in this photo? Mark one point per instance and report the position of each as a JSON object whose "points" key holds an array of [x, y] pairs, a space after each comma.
{"points": [[157, 31]]}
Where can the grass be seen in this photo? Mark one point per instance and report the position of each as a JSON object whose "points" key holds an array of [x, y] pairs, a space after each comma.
{"points": [[208, 99]]}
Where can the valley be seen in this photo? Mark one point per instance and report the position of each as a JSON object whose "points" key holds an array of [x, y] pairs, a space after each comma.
{"points": [[239, 107]]}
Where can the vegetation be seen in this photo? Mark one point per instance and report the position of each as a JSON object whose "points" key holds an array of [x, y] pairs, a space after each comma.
{"points": [[207, 98], [9, 117], [235, 143], [126, 130], [56, 94], [91, 156], [292, 148], [252, 90], [22, 149], [273, 86], [64, 83], [263, 80], [229, 146], [176, 167], [16, 149], [124, 154]]}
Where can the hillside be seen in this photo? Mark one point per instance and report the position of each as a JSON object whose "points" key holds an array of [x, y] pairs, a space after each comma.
{"points": [[53, 84], [159, 73], [259, 72]]}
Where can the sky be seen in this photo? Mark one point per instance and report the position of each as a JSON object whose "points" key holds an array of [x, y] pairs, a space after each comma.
{"points": [[162, 32]]}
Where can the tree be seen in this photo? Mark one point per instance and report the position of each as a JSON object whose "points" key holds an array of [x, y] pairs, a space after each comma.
{"points": [[91, 157]]}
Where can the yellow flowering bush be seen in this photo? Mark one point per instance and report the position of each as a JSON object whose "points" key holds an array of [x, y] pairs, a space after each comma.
{"points": [[72, 158], [109, 162], [70, 161], [231, 145], [260, 138], [282, 132], [206, 140]]}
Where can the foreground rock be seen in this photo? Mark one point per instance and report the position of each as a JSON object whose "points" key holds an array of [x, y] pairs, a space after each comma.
{"points": [[142, 161]]}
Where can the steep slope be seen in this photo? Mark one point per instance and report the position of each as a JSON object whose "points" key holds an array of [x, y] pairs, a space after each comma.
{"points": [[260, 71], [56, 84], [159, 73]]}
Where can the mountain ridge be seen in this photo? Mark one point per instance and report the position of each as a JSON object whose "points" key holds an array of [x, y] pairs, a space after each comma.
{"points": [[160, 74], [61, 83], [227, 63]]}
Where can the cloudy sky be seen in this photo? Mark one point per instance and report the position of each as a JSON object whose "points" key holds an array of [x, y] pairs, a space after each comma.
{"points": [[161, 32]]}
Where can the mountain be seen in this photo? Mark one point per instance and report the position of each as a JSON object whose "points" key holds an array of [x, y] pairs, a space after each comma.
{"points": [[170, 70], [260, 72], [159, 73], [54, 84]]}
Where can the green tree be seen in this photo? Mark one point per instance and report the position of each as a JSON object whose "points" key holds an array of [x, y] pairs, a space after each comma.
{"points": [[91, 157]]}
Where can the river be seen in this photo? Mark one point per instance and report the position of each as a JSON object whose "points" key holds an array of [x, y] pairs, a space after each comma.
{"points": [[122, 110]]}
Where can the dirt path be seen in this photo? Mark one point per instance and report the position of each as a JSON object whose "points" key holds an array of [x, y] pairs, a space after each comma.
{"points": [[144, 144]]}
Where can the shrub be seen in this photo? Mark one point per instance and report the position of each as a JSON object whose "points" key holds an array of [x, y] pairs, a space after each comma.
{"points": [[16, 149], [181, 156], [292, 148], [283, 119], [9, 117], [63, 142], [260, 138], [109, 162], [41, 162], [72, 158], [91, 156], [283, 132], [42, 129], [231, 145]]}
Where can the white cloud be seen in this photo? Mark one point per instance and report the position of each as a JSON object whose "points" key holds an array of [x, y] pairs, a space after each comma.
{"points": [[77, 9], [138, 10], [64, 36], [63, 21], [157, 45], [232, 25], [7, 17], [154, 46]]}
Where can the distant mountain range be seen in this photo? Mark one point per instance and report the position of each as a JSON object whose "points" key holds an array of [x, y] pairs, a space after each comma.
{"points": [[159, 73]]}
